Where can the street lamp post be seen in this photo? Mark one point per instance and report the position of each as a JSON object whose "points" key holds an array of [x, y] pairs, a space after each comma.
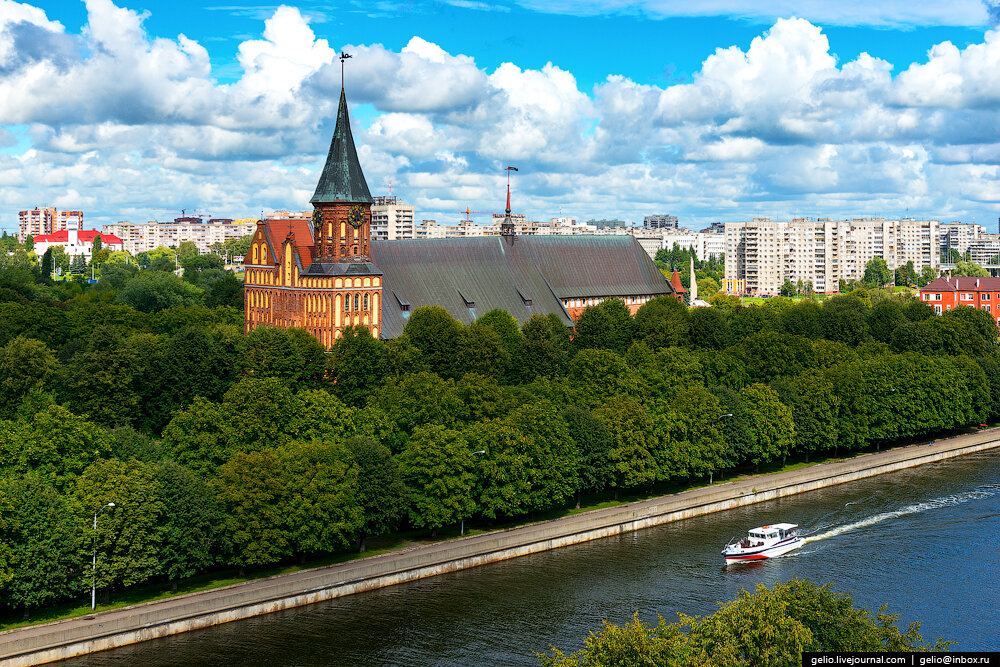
{"points": [[93, 564], [462, 530]]}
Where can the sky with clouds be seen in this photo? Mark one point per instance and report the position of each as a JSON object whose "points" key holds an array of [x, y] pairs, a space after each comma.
{"points": [[712, 111]]}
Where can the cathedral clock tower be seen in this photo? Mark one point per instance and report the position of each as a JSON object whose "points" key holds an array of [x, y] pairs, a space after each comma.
{"points": [[342, 203], [318, 273]]}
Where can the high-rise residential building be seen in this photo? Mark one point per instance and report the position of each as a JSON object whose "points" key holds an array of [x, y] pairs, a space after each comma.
{"points": [[662, 221], [46, 220], [984, 250], [959, 236], [145, 236], [765, 253], [392, 219]]}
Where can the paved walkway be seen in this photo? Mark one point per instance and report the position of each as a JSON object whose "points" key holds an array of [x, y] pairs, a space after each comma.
{"points": [[151, 619]]}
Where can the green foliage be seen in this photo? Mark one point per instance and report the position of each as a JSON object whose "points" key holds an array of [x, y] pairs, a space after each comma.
{"points": [[437, 468], [191, 539], [772, 430], [46, 539], [877, 273], [662, 322], [969, 269], [154, 290], [25, 365], [530, 461], [709, 328], [54, 444], [844, 319], [633, 444], [296, 499], [607, 326], [436, 334], [292, 355], [227, 290], [129, 535], [593, 446], [357, 365], [546, 347], [766, 627], [381, 493]]}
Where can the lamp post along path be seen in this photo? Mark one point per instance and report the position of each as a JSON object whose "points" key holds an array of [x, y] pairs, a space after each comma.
{"points": [[93, 563]]}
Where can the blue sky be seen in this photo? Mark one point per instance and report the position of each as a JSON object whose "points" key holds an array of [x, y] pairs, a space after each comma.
{"points": [[719, 111]]}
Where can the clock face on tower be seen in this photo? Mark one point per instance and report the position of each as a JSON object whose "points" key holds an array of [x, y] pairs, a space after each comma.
{"points": [[317, 221], [357, 216]]}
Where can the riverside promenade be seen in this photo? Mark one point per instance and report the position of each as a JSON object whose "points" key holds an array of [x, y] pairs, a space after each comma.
{"points": [[54, 641]]}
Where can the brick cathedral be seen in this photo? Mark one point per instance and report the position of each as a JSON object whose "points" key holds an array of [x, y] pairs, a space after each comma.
{"points": [[319, 275], [325, 274]]}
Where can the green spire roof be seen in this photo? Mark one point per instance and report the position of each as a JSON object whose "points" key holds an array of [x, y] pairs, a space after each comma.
{"points": [[342, 179]]}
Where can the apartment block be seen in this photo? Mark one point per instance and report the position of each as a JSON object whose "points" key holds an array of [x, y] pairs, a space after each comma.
{"points": [[45, 220], [145, 236], [959, 236], [662, 221], [764, 253], [392, 219]]}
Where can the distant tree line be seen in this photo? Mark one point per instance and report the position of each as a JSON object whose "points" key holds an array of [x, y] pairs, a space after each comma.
{"points": [[221, 449]]}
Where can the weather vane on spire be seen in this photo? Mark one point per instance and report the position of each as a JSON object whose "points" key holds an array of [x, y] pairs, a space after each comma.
{"points": [[507, 226], [343, 56]]}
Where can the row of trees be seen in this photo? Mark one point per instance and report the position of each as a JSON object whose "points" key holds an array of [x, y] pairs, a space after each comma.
{"points": [[225, 449]]}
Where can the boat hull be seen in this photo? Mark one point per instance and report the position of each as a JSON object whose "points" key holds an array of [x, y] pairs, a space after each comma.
{"points": [[763, 553]]}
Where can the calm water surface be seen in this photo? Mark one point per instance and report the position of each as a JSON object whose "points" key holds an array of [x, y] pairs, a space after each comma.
{"points": [[925, 541]]}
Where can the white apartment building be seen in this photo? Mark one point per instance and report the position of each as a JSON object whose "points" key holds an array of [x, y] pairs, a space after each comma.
{"points": [[146, 236], [764, 253], [704, 244], [984, 250], [44, 220], [960, 235], [392, 219]]}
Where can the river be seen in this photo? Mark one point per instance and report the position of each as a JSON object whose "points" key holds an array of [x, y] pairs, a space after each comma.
{"points": [[925, 541]]}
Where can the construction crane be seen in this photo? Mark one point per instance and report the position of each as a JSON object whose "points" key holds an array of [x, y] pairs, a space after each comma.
{"points": [[468, 212]]}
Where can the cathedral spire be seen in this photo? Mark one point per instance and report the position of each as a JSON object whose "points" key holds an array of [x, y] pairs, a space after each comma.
{"points": [[507, 226], [342, 179]]}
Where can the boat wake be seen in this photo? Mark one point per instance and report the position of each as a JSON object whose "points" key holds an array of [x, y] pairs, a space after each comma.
{"points": [[946, 501]]}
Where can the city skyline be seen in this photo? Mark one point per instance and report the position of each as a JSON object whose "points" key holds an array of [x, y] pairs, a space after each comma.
{"points": [[642, 108]]}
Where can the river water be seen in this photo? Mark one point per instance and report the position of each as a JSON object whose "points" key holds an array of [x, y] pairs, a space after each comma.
{"points": [[925, 541]]}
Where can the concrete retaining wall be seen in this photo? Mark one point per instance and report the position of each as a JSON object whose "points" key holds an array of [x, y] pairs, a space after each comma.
{"points": [[64, 639]]}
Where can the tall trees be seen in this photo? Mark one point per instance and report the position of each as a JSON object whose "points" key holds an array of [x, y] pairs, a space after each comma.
{"points": [[381, 494], [436, 334], [192, 519], [357, 364], [607, 326], [530, 461], [25, 365], [297, 499], [129, 535], [43, 531], [438, 470], [877, 273]]}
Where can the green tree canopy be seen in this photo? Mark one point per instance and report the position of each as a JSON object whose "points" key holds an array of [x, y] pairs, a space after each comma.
{"points": [[438, 469], [877, 273], [436, 334]]}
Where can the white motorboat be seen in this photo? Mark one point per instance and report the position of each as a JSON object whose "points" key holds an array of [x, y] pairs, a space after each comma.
{"points": [[763, 542]]}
